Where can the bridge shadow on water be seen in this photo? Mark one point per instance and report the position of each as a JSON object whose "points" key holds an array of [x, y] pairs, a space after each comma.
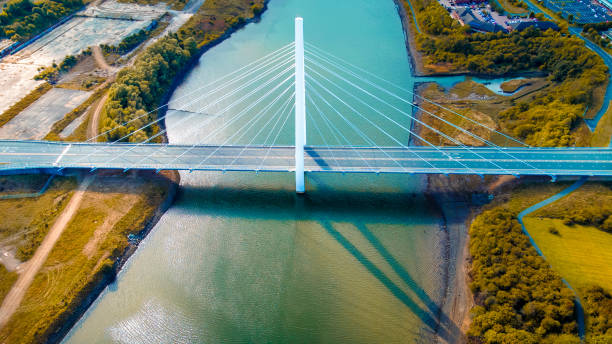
{"points": [[432, 316], [325, 207]]}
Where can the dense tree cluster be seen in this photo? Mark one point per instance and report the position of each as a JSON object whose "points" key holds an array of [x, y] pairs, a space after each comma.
{"points": [[595, 36], [22, 19], [435, 20], [519, 298], [597, 304], [575, 70], [495, 5], [139, 89], [603, 26], [128, 43], [52, 73], [599, 216]]}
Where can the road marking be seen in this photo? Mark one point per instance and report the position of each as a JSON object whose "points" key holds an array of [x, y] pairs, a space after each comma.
{"points": [[62, 155]]}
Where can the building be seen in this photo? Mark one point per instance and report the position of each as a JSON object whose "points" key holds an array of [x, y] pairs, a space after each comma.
{"points": [[467, 2], [468, 18], [542, 25]]}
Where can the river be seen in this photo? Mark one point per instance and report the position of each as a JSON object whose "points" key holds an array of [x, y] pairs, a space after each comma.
{"points": [[240, 258]]}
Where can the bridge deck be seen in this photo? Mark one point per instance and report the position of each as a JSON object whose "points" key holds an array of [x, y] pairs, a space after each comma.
{"points": [[446, 160]]}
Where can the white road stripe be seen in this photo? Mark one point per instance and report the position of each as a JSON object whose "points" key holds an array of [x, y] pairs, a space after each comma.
{"points": [[61, 155]]}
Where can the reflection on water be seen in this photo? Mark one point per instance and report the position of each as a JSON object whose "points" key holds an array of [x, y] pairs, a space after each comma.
{"points": [[240, 258]]}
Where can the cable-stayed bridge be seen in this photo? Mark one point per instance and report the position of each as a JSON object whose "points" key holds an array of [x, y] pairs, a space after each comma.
{"points": [[442, 160], [358, 123]]}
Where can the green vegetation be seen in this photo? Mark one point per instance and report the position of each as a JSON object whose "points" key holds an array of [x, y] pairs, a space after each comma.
{"points": [[575, 71], [85, 254], [597, 304], [60, 125], [520, 299], [22, 19], [128, 43], [513, 85], [593, 33], [139, 88], [475, 101], [26, 101], [26, 221], [591, 205], [52, 73], [7, 278], [511, 7], [565, 251], [595, 37], [580, 253], [174, 4], [602, 136]]}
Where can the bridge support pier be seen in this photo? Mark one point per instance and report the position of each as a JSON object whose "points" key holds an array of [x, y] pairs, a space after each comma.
{"points": [[300, 106]]}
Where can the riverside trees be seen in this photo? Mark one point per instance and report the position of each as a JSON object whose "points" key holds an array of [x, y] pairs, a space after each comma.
{"points": [[22, 19], [574, 70], [138, 89], [520, 299]]}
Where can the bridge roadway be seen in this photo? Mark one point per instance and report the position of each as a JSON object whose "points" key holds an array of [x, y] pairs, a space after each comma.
{"points": [[20, 155]]}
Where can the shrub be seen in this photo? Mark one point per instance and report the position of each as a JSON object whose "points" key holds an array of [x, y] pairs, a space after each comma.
{"points": [[520, 299]]}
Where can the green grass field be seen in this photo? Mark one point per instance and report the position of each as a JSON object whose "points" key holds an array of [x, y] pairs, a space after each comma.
{"points": [[580, 254], [112, 208], [513, 10], [603, 132]]}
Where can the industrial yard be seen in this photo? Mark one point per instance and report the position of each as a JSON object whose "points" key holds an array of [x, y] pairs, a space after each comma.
{"points": [[107, 23]]}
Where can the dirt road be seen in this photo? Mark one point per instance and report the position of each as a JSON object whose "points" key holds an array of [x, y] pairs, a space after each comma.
{"points": [[92, 128], [99, 57], [15, 296]]}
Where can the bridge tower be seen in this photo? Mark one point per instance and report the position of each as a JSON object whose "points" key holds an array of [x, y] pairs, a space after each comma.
{"points": [[300, 106]]}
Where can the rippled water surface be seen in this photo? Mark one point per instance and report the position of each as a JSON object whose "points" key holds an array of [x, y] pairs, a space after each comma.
{"points": [[239, 258]]}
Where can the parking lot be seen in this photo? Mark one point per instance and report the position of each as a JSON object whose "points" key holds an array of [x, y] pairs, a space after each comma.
{"points": [[481, 11], [584, 11]]}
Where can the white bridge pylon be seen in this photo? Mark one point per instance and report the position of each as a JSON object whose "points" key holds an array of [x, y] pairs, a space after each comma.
{"points": [[300, 106]]}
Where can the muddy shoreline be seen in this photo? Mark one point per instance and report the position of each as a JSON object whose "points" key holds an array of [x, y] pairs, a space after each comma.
{"points": [[409, 37], [456, 209]]}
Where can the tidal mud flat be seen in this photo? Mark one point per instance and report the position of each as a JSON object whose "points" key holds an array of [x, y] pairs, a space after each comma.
{"points": [[457, 207]]}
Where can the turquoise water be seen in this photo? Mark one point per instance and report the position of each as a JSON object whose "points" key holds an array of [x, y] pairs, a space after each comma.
{"points": [[240, 259]]}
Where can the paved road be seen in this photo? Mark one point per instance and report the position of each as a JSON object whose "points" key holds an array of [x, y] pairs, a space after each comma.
{"points": [[592, 123], [450, 160]]}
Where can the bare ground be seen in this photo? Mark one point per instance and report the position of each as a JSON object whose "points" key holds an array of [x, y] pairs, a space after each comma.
{"points": [[94, 122], [99, 57], [14, 297]]}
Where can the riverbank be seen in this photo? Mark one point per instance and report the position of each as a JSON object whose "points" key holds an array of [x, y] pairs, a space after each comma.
{"points": [[89, 263], [460, 200], [105, 278], [97, 235], [456, 211], [409, 35]]}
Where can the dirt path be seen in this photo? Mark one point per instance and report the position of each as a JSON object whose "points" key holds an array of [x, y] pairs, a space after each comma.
{"points": [[99, 57], [15, 296], [92, 128]]}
